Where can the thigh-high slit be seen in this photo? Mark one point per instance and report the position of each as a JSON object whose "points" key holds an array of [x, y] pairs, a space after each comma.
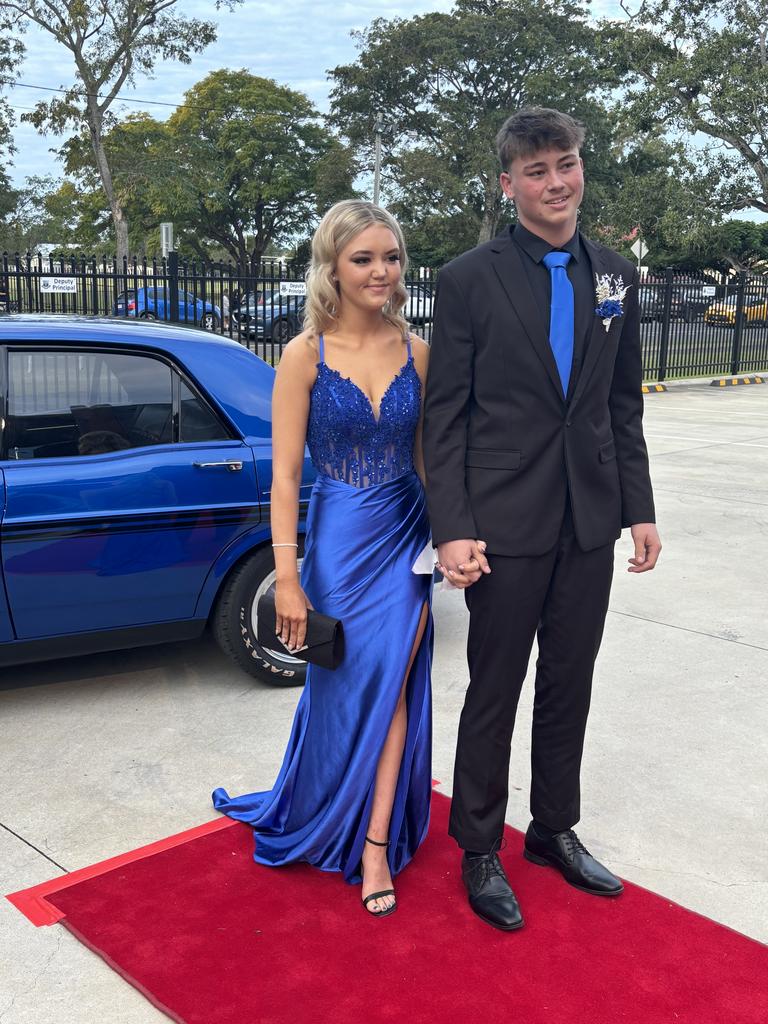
{"points": [[362, 545]]}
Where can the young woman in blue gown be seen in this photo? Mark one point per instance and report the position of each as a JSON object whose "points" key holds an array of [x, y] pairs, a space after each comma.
{"points": [[354, 789]]}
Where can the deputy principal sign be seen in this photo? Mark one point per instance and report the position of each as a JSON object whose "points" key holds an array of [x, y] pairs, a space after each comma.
{"points": [[58, 285], [293, 288]]}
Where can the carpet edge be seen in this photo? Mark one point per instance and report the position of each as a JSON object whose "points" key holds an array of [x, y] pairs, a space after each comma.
{"points": [[32, 902], [122, 973]]}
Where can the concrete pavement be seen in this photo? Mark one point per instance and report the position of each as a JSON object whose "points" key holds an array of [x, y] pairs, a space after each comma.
{"points": [[100, 755]]}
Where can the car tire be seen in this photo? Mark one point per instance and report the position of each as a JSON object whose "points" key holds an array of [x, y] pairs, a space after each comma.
{"points": [[281, 331], [210, 322], [234, 622], [147, 316]]}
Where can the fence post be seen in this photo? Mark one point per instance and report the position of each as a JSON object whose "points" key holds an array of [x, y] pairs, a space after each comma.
{"points": [[738, 329], [95, 287], [666, 318], [5, 286], [172, 269]]}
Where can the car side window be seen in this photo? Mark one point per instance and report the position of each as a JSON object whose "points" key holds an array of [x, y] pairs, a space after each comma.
{"points": [[85, 403], [197, 421]]}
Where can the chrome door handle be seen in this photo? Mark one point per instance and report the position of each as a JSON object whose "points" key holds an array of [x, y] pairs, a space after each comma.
{"points": [[234, 465]]}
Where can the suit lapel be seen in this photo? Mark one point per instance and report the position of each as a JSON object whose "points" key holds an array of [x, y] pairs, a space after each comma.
{"points": [[508, 265], [598, 334]]}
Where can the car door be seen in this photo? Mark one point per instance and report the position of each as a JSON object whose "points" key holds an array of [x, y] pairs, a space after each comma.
{"points": [[123, 485], [6, 626]]}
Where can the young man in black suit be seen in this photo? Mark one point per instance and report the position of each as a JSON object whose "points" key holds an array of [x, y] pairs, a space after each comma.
{"points": [[533, 442]]}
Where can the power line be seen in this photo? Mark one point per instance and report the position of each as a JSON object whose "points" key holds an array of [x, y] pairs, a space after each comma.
{"points": [[141, 102], [86, 95]]}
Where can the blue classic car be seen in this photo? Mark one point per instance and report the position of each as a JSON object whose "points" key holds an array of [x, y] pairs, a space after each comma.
{"points": [[136, 468]]}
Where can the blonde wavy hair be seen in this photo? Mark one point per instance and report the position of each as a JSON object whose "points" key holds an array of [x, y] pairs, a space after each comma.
{"points": [[343, 222]]}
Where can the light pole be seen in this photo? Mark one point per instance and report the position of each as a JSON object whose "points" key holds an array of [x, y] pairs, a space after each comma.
{"points": [[377, 162]]}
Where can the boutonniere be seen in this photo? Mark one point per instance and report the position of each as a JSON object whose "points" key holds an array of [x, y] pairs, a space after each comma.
{"points": [[610, 292]]}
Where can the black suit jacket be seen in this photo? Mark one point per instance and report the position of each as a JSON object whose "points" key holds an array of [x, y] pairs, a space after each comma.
{"points": [[502, 447]]}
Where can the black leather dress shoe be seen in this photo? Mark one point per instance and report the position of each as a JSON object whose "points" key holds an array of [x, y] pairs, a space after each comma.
{"points": [[575, 863], [489, 891]]}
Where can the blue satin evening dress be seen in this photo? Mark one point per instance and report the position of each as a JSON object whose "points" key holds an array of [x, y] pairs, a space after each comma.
{"points": [[366, 528]]}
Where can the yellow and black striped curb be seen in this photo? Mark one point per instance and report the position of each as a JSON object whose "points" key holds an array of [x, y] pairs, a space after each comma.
{"points": [[652, 389], [723, 382]]}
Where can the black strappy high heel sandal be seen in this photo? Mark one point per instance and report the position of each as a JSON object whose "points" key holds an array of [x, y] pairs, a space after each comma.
{"points": [[378, 895]]}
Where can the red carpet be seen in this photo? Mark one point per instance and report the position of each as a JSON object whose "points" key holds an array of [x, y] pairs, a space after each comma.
{"points": [[212, 938]]}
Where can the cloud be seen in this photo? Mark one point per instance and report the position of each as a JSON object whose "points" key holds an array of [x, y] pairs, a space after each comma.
{"points": [[295, 42]]}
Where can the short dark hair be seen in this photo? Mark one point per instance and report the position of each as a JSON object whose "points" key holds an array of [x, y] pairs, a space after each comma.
{"points": [[535, 128]]}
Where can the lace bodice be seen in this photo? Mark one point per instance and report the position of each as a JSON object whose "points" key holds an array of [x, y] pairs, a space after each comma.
{"points": [[346, 440]]}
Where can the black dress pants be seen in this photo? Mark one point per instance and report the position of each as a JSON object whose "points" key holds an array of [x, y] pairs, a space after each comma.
{"points": [[561, 598]]}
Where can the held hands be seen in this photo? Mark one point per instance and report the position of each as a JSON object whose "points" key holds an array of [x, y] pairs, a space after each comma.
{"points": [[462, 562], [647, 547], [291, 605]]}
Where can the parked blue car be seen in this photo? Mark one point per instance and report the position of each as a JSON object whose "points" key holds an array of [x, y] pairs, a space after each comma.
{"points": [[154, 304], [136, 467]]}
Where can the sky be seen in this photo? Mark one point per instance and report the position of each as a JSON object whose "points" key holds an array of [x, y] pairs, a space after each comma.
{"points": [[294, 42]]}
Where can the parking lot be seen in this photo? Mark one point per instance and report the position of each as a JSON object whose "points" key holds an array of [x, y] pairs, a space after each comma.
{"points": [[103, 754]]}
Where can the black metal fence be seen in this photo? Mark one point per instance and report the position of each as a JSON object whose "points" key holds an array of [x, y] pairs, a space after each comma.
{"points": [[691, 326], [699, 327], [260, 304]]}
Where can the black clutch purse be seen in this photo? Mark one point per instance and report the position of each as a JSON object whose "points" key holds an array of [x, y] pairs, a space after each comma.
{"points": [[324, 643]]}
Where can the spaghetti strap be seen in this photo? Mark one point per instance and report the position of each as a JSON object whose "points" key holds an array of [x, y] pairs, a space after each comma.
{"points": [[408, 343], [321, 344]]}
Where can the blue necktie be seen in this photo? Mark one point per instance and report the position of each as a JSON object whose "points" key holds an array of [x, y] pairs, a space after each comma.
{"points": [[561, 314]]}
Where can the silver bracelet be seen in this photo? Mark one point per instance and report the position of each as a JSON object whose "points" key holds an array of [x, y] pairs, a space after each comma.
{"points": [[287, 545]]}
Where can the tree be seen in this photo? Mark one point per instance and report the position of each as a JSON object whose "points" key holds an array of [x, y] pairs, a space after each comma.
{"points": [[111, 42], [732, 245], [660, 194], [444, 84], [44, 210], [141, 162], [249, 165], [701, 66], [10, 52]]}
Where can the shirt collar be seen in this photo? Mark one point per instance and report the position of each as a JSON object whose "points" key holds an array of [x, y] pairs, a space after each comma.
{"points": [[537, 248]]}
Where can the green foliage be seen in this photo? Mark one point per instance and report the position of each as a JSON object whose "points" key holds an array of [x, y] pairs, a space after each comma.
{"points": [[241, 165], [657, 193], [112, 42], [732, 245], [444, 84], [46, 210], [701, 67], [248, 163], [139, 161], [10, 53]]}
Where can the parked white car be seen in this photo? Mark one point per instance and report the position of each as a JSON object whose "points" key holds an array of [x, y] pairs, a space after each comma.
{"points": [[418, 308]]}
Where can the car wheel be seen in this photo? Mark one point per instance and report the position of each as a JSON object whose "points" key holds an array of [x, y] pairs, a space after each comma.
{"points": [[147, 316], [234, 622], [281, 331], [210, 322]]}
